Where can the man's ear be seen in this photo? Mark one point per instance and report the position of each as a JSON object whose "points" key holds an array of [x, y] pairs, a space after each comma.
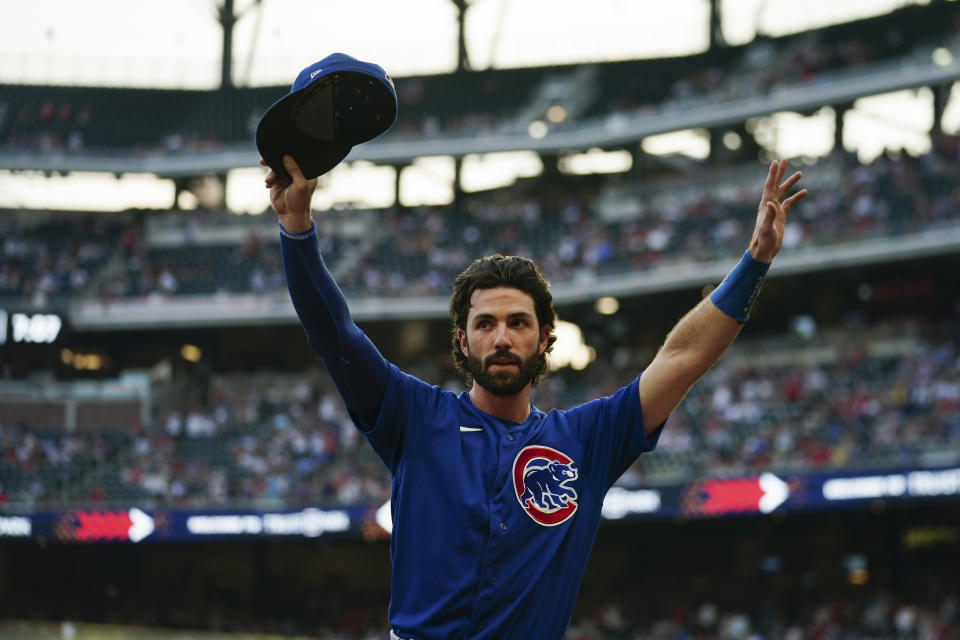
{"points": [[462, 339], [544, 337]]}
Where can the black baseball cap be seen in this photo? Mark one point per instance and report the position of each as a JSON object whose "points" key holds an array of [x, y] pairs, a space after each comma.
{"points": [[334, 104]]}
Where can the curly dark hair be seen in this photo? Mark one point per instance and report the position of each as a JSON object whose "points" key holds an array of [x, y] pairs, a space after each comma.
{"points": [[501, 271]]}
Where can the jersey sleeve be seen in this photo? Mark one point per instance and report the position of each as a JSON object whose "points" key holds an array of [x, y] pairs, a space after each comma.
{"points": [[355, 365], [614, 434], [409, 409]]}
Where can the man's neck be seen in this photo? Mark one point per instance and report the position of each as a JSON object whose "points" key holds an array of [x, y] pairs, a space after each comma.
{"points": [[515, 408]]}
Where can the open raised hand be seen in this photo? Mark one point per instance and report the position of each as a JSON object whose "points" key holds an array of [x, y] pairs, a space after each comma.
{"points": [[772, 213]]}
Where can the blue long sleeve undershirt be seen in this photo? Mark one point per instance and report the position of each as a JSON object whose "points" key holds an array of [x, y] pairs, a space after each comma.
{"points": [[358, 370]]}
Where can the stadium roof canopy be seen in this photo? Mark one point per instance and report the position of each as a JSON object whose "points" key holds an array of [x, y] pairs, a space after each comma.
{"points": [[179, 43]]}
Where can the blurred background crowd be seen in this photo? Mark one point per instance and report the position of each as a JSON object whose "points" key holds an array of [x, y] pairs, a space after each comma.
{"points": [[868, 397], [562, 224]]}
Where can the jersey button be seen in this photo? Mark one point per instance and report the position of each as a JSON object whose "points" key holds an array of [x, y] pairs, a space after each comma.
{"points": [[509, 436], [503, 525]]}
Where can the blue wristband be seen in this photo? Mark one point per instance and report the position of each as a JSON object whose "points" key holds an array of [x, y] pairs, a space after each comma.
{"points": [[298, 236], [739, 289]]}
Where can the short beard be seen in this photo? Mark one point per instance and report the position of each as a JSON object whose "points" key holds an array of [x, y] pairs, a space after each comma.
{"points": [[503, 383]]}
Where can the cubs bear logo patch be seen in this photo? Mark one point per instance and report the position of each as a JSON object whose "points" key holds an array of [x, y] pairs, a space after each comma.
{"points": [[542, 479]]}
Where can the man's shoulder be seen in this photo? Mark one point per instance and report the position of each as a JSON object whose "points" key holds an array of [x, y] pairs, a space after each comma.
{"points": [[410, 384], [627, 393]]}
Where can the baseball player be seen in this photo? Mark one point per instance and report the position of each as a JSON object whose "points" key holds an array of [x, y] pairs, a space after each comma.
{"points": [[495, 504]]}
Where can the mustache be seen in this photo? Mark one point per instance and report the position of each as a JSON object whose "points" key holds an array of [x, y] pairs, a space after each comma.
{"points": [[502, 355]]}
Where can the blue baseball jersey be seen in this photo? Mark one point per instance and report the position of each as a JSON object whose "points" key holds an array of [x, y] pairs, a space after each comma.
{"points": [[493, 522]]}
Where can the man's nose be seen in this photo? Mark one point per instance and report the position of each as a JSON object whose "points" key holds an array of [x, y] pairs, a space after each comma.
{"points": [[502, 338]]}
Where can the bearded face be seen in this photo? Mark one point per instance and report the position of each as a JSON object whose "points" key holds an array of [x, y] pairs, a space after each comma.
{"points": [[502, 373], [503, 340]]}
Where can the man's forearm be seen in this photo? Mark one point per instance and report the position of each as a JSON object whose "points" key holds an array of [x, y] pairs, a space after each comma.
{"points": [[694, 344], [698, 340], [701, 337]]}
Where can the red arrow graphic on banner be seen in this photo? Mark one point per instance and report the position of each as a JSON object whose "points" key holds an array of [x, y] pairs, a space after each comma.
{"points": [[728, 496], [764, 494], [95, 526]]}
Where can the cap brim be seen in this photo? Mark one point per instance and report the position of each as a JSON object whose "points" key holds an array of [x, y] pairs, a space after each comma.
{"points": [[319, 124]]}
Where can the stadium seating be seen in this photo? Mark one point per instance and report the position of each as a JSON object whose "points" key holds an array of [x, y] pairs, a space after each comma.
{"points": [[404, 252], [885, 398]]}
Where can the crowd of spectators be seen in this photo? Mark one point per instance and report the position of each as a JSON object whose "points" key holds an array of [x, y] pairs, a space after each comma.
{"points": [[244, 445], [565, 225], [874, 615], [880, 403], [686, 220], [868, 397], [42, 260], [733, 612]]}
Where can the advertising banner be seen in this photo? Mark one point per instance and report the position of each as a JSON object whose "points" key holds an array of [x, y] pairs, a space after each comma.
{"points": [[764, 493]]}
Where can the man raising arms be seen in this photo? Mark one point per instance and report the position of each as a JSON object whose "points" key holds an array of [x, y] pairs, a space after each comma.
{"points": [[495, 504]]}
